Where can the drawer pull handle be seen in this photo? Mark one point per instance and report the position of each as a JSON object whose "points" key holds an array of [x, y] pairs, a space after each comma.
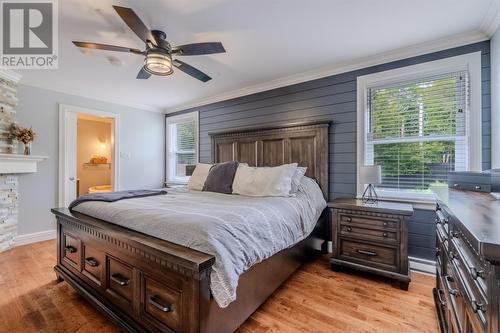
{"points": [[476, 273], [385, 234], [453, 292], [386, 224], [477, 187], [440, 299], [456, 185], [70, 249], [455, 234], [118, 278], [156, 302], [368, 253], [349, 229], [348, 219], [477, 306], [91, 262]]}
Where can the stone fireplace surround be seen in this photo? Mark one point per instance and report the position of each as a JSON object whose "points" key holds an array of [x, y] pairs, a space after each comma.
{"points": [[11, 164]]}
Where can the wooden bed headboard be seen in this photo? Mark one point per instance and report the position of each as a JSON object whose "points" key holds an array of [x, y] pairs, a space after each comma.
{"points": [[302, 143]]}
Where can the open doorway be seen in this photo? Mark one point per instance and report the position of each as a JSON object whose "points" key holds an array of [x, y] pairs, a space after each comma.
{"points": [[87, 152], [94, 157]]}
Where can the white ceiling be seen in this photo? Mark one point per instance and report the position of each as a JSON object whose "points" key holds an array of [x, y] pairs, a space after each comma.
{"points": [[265, 40]]}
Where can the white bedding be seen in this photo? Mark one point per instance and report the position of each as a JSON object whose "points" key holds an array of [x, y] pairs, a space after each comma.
{"points": [[239, 231]]}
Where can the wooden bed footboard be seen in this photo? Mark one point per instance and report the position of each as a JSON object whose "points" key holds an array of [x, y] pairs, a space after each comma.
{"points": [[142, 283], [146, 284]]}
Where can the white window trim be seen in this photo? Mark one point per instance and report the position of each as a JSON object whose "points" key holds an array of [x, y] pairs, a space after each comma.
{"points": [[470, 62], [172, 120]]}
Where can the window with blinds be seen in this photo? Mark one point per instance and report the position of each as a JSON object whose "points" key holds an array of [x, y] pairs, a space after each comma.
{"points": [[182, 134], [416, 131]]}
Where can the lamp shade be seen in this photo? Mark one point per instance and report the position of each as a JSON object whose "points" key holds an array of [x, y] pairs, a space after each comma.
{"points": [[370, 174]]}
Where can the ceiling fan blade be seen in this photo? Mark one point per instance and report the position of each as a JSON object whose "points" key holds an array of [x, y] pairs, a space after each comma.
{"points": [[107, 47], [143, 74], [199, 48], [190, 70], [135, 23]]}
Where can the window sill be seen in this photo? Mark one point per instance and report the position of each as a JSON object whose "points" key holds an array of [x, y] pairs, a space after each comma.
{"points": [[424, 204], [174, 184]]}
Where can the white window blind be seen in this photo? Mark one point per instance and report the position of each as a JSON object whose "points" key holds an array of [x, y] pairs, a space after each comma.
{"points": [[417, 131], [182, 134]]}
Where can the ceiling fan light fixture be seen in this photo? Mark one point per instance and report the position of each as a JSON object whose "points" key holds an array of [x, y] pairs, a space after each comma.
{"points": [[158, 63]]}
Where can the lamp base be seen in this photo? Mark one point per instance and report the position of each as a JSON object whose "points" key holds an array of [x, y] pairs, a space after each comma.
{"points": [[369, 195]]}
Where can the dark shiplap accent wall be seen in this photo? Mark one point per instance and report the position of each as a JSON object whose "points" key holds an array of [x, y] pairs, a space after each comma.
{"points": [[334, 98]]}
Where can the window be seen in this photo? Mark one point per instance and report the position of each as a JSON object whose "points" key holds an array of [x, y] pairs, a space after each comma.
{"points": [[417, 127], [182, 146]]}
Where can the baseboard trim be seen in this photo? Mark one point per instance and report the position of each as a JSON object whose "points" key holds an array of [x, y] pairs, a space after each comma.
{"points": [[35, 237], [423, 266]]}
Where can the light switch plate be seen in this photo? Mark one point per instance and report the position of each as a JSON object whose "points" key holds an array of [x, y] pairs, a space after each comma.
{"points": [[125, 155]]}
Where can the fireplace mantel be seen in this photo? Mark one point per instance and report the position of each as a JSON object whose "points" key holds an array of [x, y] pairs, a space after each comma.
{"points": [[16, 164]]}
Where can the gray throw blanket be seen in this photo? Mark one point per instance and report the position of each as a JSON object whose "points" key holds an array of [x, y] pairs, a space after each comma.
{"points": [[115, 196]]}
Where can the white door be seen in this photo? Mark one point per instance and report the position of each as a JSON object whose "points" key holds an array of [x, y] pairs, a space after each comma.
{"points": [[68, 117], [69, 173]]}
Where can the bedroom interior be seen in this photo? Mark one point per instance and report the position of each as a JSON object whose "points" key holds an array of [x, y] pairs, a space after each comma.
{"points": [[231, 166]]}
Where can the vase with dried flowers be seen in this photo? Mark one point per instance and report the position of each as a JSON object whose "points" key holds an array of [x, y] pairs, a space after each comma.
{"points": [[25, 135]]}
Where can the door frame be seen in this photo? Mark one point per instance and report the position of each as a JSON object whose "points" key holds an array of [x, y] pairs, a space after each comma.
{"points": [[67, 114]]}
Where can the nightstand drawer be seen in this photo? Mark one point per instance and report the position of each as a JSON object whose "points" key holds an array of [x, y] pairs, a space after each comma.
{"points": [[371, 237], [371, 222], [369, 234], [385, 257]]}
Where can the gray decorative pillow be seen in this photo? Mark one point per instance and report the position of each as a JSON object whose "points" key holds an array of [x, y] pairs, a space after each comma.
{"points": [[221, 176]]}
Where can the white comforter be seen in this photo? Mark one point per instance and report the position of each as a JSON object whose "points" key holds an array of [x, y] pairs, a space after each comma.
{"points": [[239, 231]]}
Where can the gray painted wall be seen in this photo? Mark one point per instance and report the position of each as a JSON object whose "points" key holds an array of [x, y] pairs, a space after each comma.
{"points": [[334, 97], [141, 133]]}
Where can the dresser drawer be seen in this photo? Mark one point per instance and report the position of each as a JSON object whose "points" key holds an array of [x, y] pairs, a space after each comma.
{"points": [[373, 222], [369, 234], [475, 305], [161, 304], [93, 263], [374, 255], [120, 282], [471, 187], [474, 270], [71, 250]]}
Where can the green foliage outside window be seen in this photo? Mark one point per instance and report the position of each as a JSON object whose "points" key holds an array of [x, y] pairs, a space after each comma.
{"points": [[416, 111], [186, 141]]}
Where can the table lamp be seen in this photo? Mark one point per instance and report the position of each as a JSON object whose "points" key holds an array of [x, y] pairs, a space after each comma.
{"points": [[371, 175]]}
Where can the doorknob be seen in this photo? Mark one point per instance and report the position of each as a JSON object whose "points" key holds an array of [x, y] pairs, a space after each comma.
{"points": [[72, 178]]}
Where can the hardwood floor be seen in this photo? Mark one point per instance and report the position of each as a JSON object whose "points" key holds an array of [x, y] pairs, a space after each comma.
{"points": [[314, 299]]}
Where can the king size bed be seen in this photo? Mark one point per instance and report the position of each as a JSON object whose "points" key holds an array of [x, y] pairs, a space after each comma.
{"points": [[199, 262]]}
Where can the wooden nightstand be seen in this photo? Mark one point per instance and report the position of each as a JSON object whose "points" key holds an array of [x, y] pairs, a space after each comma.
{"points": [[371, 238]]}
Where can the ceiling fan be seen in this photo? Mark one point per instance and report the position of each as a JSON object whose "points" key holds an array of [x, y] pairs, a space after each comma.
{"points": [[158, 54]]}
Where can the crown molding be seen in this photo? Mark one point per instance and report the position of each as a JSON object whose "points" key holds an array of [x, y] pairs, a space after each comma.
{"points": [[491, 20], [10, 75], [343, 67]]}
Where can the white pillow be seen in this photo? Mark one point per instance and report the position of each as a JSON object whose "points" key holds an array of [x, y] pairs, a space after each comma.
{"points": [[264, 181], [296, 178], [199, 176]]}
